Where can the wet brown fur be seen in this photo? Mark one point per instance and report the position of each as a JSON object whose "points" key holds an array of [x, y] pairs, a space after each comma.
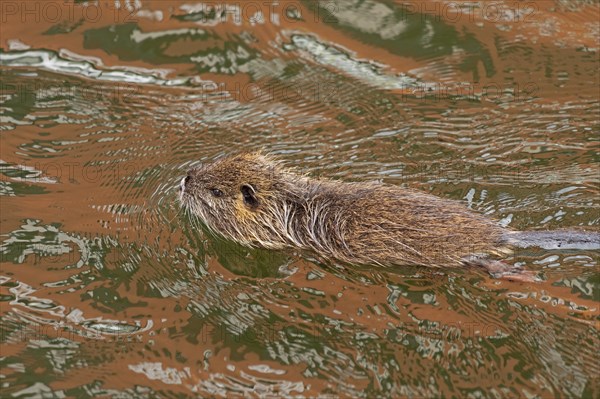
{"points": [[365, 223]]}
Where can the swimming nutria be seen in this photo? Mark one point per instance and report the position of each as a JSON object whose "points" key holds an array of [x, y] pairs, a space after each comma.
{"points": [[252, 199]]}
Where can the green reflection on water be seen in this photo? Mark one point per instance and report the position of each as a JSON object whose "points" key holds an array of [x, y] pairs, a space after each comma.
{"points": [[207, 50], [421, 36]]}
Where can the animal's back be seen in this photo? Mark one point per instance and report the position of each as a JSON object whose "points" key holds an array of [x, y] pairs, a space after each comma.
{"points": [[392, 225]]}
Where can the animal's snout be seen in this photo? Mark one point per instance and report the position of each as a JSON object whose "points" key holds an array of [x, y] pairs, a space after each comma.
{"points": [[183, 182], [187, 179]]}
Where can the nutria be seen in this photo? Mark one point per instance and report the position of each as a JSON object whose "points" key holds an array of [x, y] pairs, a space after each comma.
{"points": [[252, 199]]}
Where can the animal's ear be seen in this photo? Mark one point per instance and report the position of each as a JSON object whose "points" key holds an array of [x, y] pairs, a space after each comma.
{"points": [[249, 195]]}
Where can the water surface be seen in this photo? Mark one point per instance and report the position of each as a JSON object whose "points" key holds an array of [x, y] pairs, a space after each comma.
{"points": [[108, 290]]}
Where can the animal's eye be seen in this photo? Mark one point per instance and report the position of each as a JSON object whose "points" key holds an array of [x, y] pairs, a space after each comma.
{"points": [[216, 192]]}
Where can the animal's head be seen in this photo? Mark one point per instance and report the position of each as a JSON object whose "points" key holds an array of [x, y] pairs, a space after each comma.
{"points": [[233, 195]]}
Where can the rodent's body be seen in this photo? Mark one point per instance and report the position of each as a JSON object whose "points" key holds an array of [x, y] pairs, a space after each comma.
{"points": [[371, 223], [252, 200]]}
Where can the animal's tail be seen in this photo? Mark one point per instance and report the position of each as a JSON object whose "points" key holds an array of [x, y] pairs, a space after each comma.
{"points": [[555, 240]]}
